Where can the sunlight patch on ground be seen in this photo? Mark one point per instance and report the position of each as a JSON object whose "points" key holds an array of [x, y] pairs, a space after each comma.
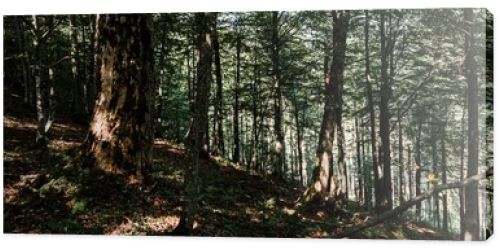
{"points": [[147, 225], [10, 194], [63, 145], [289, 211], [9, 121], [418, 229]]}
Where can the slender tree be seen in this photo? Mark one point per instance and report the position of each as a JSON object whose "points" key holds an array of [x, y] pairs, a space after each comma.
{"points": [[377, 172], [418, 165], [218, 146], [385, 95], [204, 25], [236, 105], [471, 190], [279, 143], [444, 177]]}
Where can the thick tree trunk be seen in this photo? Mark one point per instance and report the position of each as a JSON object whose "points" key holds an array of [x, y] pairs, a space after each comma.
{"points": [[204, 24], [385, 95], [471, 190], [120, 137], [218, 146], [321, 185]]}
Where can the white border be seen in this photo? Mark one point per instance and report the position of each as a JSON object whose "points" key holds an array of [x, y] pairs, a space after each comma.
{"points": [[58, 242]]}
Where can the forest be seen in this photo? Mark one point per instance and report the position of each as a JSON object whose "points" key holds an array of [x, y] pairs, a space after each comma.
{"points": [[368, 124]]}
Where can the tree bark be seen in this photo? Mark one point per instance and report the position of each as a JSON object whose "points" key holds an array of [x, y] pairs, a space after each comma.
{"points": [[236, 106], [279, 142], [435, 198], [204, 24], [256, 124], [94, 80], [471, 190], [343, 191], [218, 147], [359, 162], [300, 145], [444, 179], [321, 185], [409, 176], [418, 164], [377, 173], [41, 139], [77, 93], [400, 160], [385, 95], [461, 193], [23, 51], [120, 137]]}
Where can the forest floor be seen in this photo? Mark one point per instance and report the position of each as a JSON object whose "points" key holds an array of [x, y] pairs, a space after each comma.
{"points": [[46, 192]]}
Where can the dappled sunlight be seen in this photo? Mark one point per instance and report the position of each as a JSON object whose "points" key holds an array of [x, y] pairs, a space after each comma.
{"points": [[147, 225], [419, 229]]}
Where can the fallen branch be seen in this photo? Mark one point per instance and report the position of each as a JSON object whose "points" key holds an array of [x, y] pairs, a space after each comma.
{"points": [[407, 205]]}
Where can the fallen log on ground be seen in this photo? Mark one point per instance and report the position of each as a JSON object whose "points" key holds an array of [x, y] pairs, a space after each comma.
{"points": [[407, 205]]}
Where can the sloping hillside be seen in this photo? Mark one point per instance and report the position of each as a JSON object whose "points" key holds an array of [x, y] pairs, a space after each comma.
{"points": [[50, 192]]}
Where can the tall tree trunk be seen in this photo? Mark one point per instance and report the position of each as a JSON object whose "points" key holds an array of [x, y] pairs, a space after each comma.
{"points": [[236, 106], [279, 142], [204, 24], [343, 193], [120, 137], [377, 172], [300, 146], [93, 82], [83, 61], [461, 191], [23, 52], [359, 162], [321, 184], [41, 137], [409, 176], [77, 94], [367, 176], [385, 95], [435, 198], [444, 179], [400, 159], [418, 164], [471, 190], [256, 124], [218, 147]]}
